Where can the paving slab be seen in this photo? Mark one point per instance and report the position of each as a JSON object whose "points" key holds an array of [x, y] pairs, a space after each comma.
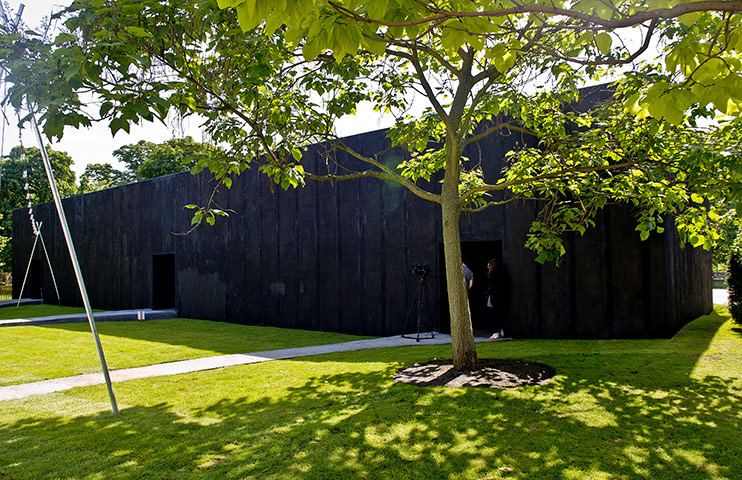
{"points": [[13, 392], [109, 316], [721, 296], [24, 301]]}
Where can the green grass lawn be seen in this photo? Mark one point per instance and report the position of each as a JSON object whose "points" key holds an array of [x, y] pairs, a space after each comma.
{"points": [[28, 354], [665, 409]]}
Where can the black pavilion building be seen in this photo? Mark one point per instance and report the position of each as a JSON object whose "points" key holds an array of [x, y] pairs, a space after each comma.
{"points": [[339, 257]]}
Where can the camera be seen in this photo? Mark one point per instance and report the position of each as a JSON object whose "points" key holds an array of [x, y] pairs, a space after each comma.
{"points": [[421, 269]]}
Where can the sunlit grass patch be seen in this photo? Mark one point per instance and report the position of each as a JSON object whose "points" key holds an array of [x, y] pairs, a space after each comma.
{"points": [[616, 410], [35, 353]]}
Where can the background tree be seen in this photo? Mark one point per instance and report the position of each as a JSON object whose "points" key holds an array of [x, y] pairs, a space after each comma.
{"points": [[283, 78], [13, 192], [99, 176], [145, 160], [132, 156]]}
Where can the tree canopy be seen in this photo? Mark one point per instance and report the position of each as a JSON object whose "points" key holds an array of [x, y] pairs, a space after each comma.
{"points": [[13, 187], [270, 78], [99, 176], [145, 160]]}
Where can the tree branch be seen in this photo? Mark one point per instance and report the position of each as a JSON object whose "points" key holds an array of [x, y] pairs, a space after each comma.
{"points": [[495, 128], [629, 21], [547, 176]]}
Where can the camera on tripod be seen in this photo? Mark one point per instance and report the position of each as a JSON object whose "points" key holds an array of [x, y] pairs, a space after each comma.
{"points": [[421, 269], [420, 312]]}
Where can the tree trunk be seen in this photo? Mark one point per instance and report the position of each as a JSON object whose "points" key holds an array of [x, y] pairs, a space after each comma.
{"points": [[462, 335]]}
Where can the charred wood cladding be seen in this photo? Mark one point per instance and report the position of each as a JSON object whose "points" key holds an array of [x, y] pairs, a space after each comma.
{"points": [[339, 257]]}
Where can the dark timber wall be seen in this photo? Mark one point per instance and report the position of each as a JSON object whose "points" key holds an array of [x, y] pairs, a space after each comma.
{"points": [[339, 257]]}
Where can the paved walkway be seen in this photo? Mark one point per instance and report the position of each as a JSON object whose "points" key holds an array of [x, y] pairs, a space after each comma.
{"points": [[13, 392], [24, 301], [110, 316], [721, 296]]}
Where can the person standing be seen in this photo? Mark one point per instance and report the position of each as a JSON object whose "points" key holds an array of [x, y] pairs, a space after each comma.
{"points": [[468, 276]]}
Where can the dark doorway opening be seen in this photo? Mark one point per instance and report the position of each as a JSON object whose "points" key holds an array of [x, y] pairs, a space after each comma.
{"points": [[475, 256], [34, 284], [163, 281]]}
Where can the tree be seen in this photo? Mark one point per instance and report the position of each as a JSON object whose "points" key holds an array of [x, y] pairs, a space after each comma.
{"points": [[13, 190], [99, 176], [283, 78], [729, 228], [132, 156], [145, 160]]}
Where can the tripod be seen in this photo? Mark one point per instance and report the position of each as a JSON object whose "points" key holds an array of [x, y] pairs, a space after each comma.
{"points": [[421, 300]]}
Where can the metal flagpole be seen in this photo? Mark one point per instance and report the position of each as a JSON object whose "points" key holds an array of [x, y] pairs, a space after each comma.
{"points": [[73, 255]]}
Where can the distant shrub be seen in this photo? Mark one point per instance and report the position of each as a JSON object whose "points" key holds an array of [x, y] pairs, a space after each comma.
{"points": [[734, 281]]}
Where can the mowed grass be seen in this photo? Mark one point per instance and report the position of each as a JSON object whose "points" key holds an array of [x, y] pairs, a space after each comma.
{"points": [[664, 409], [28, 354]]}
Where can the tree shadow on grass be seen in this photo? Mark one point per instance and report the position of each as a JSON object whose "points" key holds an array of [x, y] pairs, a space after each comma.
{"points": [[610, 413], [208, 336], [362, 426]]}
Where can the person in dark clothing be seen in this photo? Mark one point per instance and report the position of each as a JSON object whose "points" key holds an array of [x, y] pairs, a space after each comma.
{"points": [[468, 276], [495, 298]]}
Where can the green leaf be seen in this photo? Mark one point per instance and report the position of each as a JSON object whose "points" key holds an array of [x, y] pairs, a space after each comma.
{"points": [[64, 37], [604, 41], [311, 49], [228, 3], [452, 38], [296, 153], [246, 16], [71, 71], [505, 62], [689, 18], [138, 32], [118, 124]]}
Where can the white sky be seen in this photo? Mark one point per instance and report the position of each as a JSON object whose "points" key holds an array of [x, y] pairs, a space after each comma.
{"points": [[96, 145]]}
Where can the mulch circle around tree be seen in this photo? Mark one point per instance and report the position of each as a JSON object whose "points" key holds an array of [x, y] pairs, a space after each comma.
{"points": [[490, 373]]}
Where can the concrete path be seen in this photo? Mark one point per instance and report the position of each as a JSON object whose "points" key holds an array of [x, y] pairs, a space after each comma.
{"points": [[13, 392], [24, 301], [110, 316], [721, 296]]}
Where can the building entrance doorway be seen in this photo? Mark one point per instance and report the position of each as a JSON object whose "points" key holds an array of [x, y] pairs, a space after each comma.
{"points": [[475, 256], [34, 287], [163, 281]]}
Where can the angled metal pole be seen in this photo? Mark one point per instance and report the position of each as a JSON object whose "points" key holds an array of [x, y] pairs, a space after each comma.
{"points": [[28, 269], [66, 232], [49, 262], [73, 255]]}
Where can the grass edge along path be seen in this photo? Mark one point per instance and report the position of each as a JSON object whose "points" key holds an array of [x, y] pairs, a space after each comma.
{"points": [[33, 353], [620, 409]]}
